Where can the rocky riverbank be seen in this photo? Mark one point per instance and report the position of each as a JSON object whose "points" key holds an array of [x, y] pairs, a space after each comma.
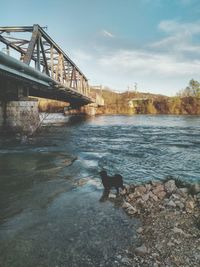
{"points": [[170, 232]]}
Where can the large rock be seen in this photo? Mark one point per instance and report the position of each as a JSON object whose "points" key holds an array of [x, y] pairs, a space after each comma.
{"points": [[189, 206], [171, 204], [196, 188], [132, 210], [139, 191], [161, 195], [154, 197], [170, 186], [126, 205], [129, 208], [148, 187], [158, 188], [145, 197], [142, 250], [179, 204]]}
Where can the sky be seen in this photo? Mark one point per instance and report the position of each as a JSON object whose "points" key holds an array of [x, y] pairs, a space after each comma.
{"points": [[151, 45]]}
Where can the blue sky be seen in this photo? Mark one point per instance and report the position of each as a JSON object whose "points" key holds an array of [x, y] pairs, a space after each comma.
{"points": [[117, 43]]}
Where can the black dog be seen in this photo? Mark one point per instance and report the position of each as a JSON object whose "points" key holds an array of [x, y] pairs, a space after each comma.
{"points": [[111, 181]]}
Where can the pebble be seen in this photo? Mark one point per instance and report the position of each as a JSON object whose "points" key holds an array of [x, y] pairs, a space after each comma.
{"points": [[170, 186]]}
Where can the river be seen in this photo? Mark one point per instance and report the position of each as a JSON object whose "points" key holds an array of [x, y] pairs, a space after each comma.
{"points": [[50, 213]]}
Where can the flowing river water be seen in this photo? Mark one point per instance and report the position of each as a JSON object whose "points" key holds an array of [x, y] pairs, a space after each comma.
{"points": [[50, 213]]}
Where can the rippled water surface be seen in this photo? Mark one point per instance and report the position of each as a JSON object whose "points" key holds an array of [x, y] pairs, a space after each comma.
{"points": [[50, 213]]}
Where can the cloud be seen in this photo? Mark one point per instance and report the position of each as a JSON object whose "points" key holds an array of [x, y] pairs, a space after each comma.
{"points": [[154, 72], [164, 66], [148, 63], [174, 27], [179, 37], [107, 34]]}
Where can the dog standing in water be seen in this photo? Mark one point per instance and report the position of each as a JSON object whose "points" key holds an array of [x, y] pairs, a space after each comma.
{"points": [[111, 181]]}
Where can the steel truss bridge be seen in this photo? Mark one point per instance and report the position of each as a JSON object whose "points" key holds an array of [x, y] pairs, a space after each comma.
{"points": [[39, 67]]}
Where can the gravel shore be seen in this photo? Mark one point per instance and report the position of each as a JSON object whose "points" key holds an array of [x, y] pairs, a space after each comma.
{"points": [[169, 235]]}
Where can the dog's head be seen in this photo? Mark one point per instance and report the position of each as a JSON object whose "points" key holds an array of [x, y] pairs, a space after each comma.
{"points": [[103, 174]]}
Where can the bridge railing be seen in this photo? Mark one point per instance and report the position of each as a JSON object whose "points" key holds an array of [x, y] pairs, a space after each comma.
{"points": [[45, 55]]}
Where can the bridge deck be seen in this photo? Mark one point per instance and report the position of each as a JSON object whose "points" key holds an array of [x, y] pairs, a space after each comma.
{"points": [[42, 66]]}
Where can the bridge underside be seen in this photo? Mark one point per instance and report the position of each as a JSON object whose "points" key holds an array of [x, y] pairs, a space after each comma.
{"points": [[11, 84]]}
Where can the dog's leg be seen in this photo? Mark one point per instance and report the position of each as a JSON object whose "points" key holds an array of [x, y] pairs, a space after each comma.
{"points": [[105, 195]]}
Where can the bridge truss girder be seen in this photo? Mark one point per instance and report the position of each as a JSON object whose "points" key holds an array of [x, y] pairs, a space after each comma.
{"points": [[46, 56]]}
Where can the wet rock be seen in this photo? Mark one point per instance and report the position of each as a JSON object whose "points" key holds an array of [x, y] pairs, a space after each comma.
{"points": [[119, 257], [170, 186], [142, 250], [125, 260], [126, 205], [140, 230], [132, 210]]}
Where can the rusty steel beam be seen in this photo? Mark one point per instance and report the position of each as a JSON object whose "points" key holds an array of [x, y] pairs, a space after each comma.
{"points": [[31, 46]]}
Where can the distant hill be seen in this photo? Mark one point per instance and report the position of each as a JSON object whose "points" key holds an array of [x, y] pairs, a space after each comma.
{"points": [[146, 103]]}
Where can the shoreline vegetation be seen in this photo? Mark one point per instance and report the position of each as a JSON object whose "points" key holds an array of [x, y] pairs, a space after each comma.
{"points": [[186, 102], [170, 216]]}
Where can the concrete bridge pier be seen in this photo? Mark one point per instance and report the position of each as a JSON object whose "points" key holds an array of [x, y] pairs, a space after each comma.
{"points": [[19, 113], [89, 110]]}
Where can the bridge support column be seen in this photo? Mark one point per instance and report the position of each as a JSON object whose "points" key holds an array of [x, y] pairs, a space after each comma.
{"points": [[89, 110], [21, 116]]}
